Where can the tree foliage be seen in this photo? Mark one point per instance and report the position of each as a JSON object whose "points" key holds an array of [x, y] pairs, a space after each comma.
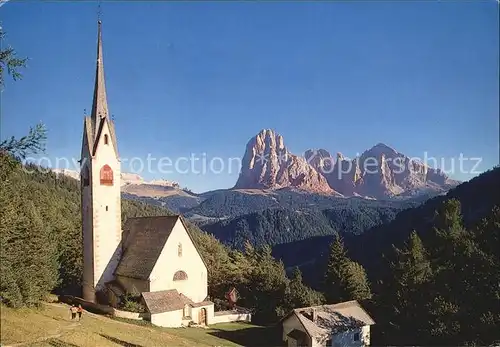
{"points": [[445, 288], [441, 286], [274, 226], [34, 142], [300, 295], [10, 62], [344, 279], [47, 233], [41, 237]]}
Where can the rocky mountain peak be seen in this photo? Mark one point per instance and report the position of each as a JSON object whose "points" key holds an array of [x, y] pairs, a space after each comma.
{"points": [[320, 159], [267, 164], [269, 138], [380, 172], [379, 149]]}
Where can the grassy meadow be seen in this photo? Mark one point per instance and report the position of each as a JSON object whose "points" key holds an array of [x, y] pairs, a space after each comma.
{"points": [[51, 325]]}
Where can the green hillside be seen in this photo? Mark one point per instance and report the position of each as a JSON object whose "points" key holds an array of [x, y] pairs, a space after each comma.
{"points": [[279, 226], [418, 295], [51, 326], [434, 270], [233, 203], [40, 234]]}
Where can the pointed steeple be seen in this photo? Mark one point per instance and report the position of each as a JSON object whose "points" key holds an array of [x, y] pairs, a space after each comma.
{"points": [[100, 104]]}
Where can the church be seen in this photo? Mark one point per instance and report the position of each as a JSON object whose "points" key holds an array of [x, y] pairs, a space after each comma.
{"points": [[152, 257]]}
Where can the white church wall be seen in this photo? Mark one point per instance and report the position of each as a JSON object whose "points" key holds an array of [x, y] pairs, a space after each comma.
{"points": [[169, 262], [172, 319], [107, 210]]}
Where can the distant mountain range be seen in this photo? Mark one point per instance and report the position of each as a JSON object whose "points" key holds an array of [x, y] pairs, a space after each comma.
{"points": [[272, 177], [296, 209], [157, 192], [281, 198], [380, 172], [225, 204], [129, 180]]}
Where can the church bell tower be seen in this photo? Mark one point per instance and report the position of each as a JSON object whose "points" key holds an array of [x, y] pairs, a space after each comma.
{"points": [[100, 189]]}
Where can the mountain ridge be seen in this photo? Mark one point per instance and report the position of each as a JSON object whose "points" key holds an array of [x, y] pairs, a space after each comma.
{"points": [[477, 199], [271, 176], [379, 172]]}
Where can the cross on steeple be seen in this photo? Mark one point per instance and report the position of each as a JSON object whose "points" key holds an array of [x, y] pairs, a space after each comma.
{"points": [[99, 12]]}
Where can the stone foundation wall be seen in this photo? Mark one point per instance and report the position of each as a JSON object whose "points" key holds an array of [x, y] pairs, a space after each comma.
{"points": [[231, 317], [238, 314], [130, 315]]}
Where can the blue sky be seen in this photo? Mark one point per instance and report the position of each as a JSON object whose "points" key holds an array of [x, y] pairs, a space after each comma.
{"points": [[202, 78]]}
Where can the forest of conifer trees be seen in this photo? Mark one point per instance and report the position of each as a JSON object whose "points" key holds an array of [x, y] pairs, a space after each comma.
{"points": [[442, 287]]}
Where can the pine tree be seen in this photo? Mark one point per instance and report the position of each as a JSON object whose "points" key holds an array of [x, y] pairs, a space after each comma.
{"points": [[10, 61], [453, 247], [265, 284], [413, 267], [337, 261], [467, 266], [344, 278], [34, 142], [356, 285], [412, 270], [29, 257], [299, 295]]}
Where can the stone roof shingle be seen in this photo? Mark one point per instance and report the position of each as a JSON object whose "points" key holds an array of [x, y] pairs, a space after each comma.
{"points": [[146, 237], [332, 318], [165, 301]]}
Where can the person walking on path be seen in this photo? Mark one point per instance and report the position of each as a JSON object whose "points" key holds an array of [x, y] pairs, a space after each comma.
{"points": [[73, 311], [80, 311]]}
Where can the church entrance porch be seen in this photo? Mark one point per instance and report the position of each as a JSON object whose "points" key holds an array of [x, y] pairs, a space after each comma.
{"points": [[169, 308]]}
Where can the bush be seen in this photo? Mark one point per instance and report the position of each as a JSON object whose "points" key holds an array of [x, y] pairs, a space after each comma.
{"points": [[132, 303]]}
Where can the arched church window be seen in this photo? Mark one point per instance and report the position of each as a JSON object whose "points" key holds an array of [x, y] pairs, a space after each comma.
{"points": [[106, 176], [179, 250], [85, 176], [106, 139], [180, 276]]}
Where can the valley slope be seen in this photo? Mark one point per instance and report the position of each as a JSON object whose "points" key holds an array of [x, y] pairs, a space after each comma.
{"points": [[282, 198], [477, 197], [274, 226]]}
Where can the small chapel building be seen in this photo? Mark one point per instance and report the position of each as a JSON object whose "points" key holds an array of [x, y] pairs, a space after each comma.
{"points": [[152, 257]]}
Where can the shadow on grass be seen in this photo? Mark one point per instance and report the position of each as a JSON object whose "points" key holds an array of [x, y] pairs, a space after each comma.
{"points": [[251, 336], [59, 343], [119, 342]]}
